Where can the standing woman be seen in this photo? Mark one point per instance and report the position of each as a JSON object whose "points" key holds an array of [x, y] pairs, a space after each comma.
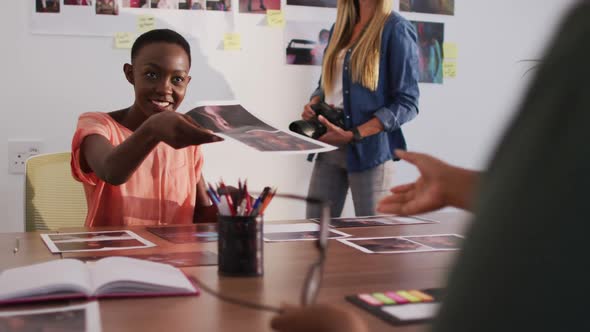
{"points": [[370, 73]]}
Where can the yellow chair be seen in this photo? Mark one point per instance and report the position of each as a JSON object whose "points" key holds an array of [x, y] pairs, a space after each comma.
{"points": [[53, 199]]}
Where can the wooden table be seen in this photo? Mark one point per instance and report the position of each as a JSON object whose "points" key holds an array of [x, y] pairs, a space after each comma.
{"points": [[347, 271]]}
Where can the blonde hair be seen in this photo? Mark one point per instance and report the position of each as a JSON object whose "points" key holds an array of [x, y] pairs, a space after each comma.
{"points": [[364, 60]]}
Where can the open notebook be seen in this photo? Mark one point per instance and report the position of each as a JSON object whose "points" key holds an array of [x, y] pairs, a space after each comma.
{"points": [[108, 277]]}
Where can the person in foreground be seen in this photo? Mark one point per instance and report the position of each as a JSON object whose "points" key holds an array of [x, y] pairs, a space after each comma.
{"points": [[524, 265], [370, 75], [142, 165]]}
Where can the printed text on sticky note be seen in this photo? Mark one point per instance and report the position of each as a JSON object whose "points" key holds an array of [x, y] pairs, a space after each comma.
{"points": [[449, 69], [275, 18], [232, 42], [450, 50], [124, 39], [146, 23]]}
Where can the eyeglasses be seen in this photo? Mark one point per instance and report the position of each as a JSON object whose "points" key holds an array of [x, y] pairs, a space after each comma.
{"points": [[313, 278]]}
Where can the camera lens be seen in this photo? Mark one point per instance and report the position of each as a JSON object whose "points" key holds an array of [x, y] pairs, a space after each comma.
{"points": [[302, 127]]}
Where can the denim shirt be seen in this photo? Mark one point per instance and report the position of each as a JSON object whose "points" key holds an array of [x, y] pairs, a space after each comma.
{"points": [[394, 103]]}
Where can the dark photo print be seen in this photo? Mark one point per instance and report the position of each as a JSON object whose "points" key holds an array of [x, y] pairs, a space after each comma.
{"points": [[313, 3], [444, 7], [392, 244], [263, 140], [59, 321], [47, 6], [430, 45], [227, 118], [438, 241], [97, 245]]}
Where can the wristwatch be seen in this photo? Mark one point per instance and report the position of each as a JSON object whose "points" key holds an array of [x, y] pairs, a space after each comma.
{"points": [[356, 135]]}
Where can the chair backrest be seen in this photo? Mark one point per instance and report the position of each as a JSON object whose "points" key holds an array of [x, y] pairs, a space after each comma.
{"points": [[53, 199]]}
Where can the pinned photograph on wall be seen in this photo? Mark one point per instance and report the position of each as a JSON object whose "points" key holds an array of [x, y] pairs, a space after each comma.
{"points": [[231, 120], [135, 4], [47, 6], [78, 2], [94, 241], [406, 244], [430, 40], [219, 5], [313, 3], [192, 4], [107, 7], [444, 7], [164, 4], [369, 221], [72, 318], [258, 6], [306, 42]]}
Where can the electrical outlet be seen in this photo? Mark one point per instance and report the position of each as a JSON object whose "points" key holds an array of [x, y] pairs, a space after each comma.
{"points": [[19, 152]]}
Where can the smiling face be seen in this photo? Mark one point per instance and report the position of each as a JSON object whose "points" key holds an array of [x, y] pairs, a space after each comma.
{"points": [[159, 74]]}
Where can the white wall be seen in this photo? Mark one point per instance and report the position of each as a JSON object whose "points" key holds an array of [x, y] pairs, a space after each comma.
{"points": [[47, 81]]}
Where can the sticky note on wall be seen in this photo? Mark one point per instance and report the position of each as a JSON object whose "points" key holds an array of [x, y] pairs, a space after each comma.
{"points": [[146, 23], [450, 50], [275, 18], [449, 69], [124, 40], [232, 41]]}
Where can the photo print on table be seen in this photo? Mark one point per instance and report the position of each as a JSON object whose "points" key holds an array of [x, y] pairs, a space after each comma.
{"points": [[381, 220], [73, 318], [405, 244], [178, 259], [94, 241], [185, 233], [297, 232]]}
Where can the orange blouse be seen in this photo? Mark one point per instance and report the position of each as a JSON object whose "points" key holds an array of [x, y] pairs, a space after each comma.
{"points": [[161, 191]]}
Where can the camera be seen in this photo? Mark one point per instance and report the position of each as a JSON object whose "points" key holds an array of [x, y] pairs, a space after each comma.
{"points": [[314, 128]]}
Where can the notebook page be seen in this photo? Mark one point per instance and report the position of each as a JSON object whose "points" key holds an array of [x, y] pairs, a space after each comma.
{"points": [[67, 275], [129, 275]]}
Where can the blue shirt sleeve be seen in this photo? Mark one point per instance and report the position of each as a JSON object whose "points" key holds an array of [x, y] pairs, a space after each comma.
{"points": [[403, 62]]}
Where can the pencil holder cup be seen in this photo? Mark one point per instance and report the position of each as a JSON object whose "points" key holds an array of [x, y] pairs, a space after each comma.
{"points": [[240, 246]]}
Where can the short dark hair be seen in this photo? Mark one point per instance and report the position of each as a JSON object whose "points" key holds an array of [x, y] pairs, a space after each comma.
{"points": [[159, 36]]}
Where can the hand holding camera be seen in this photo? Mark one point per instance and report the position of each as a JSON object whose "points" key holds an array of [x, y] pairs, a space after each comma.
{"points": [[326, 124]]}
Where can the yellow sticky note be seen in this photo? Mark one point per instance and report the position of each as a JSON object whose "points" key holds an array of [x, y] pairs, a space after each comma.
{"points": [[146, 23], [232, 41], [450, 50], [275, 18], [124, 39], [449, 69]]}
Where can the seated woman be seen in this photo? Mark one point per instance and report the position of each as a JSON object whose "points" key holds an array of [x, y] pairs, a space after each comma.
{"points": [[141, 165]]}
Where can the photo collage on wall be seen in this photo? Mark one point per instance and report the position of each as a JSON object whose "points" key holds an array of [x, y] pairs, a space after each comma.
{"points": [[304, 42], [431, 36]]}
